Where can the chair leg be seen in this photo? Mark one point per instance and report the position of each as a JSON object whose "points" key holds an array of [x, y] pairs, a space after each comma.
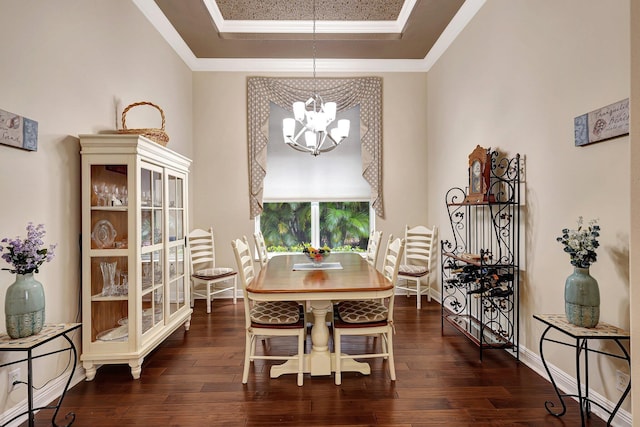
{"points": [[247, 351], [301, 340], [209, 298], [418, 294], [428, 289], [390, 361], [235, 289], [336, 346], [383, 343]]}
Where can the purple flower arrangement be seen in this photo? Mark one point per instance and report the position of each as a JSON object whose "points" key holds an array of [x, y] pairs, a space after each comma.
{"points": [[27, 255]]}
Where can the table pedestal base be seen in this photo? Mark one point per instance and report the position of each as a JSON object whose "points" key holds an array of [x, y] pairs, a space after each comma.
{"points": [[318, 366], [320, 361]]}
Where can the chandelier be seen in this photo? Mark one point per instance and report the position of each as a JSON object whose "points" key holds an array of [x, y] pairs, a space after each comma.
{"points": [[312, 118]]}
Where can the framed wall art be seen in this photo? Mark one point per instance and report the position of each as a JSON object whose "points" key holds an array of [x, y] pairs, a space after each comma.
{"points": [[17, 131], [602, 124]]}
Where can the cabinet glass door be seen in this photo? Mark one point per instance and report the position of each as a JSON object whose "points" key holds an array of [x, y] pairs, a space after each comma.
{"points": [[109, 252], [151, 241], [176, 225]]}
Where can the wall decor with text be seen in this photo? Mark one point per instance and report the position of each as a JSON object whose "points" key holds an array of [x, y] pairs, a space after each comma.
{"points": [[17, 131], [604, 123]]}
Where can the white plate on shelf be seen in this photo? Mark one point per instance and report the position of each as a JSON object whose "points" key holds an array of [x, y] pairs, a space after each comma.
{"points": [[103, 234], [116, 334]]}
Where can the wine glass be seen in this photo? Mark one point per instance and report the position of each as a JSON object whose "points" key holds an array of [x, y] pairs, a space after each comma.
{"points": [[111, 193], [125, 195], [125, 284], [98, 189], [116, 195]]}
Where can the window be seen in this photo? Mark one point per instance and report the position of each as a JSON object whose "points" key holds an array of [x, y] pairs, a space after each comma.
{"points": [[343, 226], [319, 200]]}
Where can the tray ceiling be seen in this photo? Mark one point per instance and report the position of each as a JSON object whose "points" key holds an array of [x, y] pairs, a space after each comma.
{"points": [[277, 35]]}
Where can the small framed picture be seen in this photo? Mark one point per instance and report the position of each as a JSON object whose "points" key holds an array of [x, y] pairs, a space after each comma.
{"points": [[17, 131], [602, 124]]}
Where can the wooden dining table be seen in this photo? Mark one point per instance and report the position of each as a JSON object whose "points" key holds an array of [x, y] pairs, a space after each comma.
{"points": [[283, 280]]}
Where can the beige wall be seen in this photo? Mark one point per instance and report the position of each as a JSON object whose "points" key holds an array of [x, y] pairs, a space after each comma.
{"points": [[65, 64], [220, 170], [635, 195], [514, 80]]}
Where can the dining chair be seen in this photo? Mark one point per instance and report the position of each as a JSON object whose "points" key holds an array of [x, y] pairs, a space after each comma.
{"points": [[264, 319], [414, 274], [261, 248], [369, 317], [208, 280], [373, 247]]}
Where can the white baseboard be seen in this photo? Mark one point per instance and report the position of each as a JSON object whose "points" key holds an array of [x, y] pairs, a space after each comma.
{"points": [[51, 392]]}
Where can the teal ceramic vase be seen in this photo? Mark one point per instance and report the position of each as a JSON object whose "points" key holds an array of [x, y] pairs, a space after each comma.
{"points": [[24, 307], [582, 299]]}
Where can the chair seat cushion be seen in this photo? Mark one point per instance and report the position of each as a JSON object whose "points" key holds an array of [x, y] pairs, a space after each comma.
{"points": [[412, 270], [275, 312], [214, 273], [366, 311]]}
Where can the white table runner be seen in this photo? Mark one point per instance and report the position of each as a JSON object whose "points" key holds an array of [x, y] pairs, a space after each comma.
{"points": [[321, 266]]}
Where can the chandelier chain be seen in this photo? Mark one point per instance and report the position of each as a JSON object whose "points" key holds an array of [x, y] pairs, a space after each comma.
{"points": [[314, 46]]}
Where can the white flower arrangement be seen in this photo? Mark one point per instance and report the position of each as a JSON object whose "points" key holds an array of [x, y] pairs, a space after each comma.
{"points": [[581, 244]]}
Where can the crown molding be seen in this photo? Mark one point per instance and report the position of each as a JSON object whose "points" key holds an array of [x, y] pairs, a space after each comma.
{"points": [[326, 65]]}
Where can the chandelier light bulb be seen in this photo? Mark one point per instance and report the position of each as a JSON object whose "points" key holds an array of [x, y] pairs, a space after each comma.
{"points": [[310, 138], [288, 128], [344, 125], [329, 109], [299, 110]]}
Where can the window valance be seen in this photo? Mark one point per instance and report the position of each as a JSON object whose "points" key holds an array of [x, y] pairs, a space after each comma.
{"points": [[346, 92]]}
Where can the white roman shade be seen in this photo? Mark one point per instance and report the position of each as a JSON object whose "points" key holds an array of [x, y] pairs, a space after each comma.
{"points": [[297, 176]]}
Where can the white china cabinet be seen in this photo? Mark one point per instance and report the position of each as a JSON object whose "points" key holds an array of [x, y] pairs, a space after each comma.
{"points": [[135, 287]]}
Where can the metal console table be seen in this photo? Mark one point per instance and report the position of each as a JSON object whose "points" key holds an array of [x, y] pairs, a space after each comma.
{"points": [[602, 331], [29, 345]]}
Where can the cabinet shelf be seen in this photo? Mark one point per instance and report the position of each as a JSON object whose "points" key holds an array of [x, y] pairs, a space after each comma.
{"points": [[132, 267], [100, 297], [487, 203], [109, 252], [110, 208], [472, 328], [470, 259], [480, 262]]}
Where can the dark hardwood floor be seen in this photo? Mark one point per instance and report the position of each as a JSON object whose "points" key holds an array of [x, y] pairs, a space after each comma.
{"points": [[194, 379]]}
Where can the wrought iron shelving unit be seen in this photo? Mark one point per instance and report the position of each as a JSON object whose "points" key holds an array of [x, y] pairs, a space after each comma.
{"points": [[480, 263]]}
